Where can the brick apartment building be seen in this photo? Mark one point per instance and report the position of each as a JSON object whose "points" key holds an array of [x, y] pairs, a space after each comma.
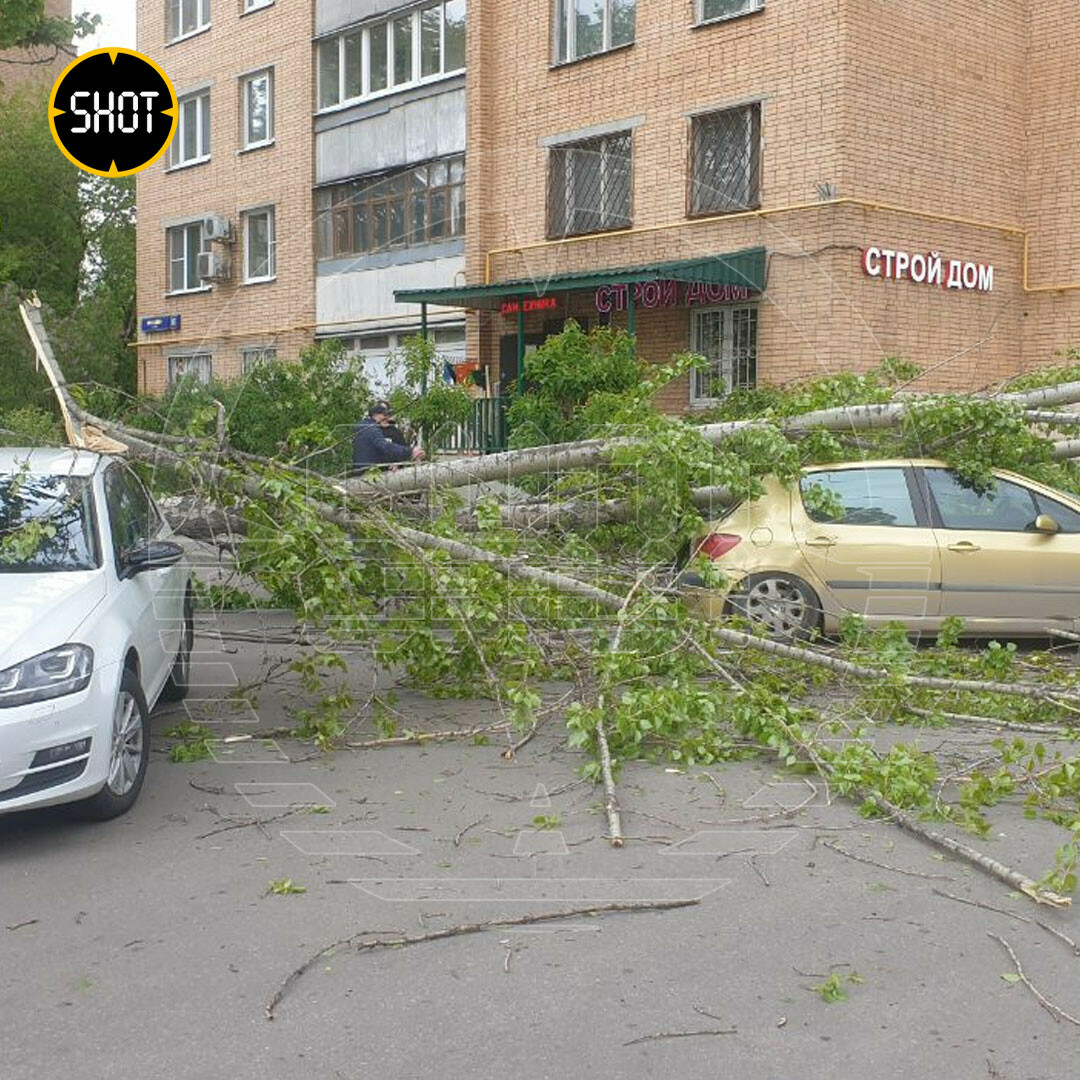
{"points": [[790, 187], [767, 181], [318, 167]]}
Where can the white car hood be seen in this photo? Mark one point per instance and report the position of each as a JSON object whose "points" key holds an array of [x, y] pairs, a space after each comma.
{"points": [[40, 611]]}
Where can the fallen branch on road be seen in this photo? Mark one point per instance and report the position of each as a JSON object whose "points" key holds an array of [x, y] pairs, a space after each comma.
{"points": [[357, 942]]}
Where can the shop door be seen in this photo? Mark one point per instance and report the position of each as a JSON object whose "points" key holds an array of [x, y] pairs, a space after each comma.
{"points": [[508, 360]]}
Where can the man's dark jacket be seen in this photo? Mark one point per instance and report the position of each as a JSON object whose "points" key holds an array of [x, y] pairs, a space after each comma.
{"points": [[372, 447]]}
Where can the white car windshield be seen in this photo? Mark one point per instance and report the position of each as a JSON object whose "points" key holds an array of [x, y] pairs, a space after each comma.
{"points": [[46, 524]]}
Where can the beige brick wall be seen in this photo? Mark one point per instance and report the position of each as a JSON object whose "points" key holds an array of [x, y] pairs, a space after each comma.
{"points": [[233, 315], [923, 105], [15, 71]]}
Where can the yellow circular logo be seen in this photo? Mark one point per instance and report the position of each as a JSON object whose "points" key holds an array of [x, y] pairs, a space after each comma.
{"points": [[112, 112]]}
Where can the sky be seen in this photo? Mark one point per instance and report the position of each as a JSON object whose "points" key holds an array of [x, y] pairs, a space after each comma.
{"points": [[117, 23]]}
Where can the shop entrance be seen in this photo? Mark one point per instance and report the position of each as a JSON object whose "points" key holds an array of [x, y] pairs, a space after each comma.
{"points": [[508, 360]]}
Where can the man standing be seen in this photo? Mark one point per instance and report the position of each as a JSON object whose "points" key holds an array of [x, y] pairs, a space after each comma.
{"points": [[373, 447]]}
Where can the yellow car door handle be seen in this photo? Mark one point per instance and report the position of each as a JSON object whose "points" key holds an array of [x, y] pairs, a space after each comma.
{"points": [[821, 541], [965, 545]]}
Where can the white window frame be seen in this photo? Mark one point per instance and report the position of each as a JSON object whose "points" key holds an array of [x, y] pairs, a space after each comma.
{"points": [[568, 180], [746, 7], [271, 254], [566, 30], [251, 356], [202, 132], [726, 361], [246, 142], [204, 245], [256, 5], [203, 368], [381, 26], [202, 16]]}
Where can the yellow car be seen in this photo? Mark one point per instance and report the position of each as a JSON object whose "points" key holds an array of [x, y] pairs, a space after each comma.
{"points": [[896, 541]]}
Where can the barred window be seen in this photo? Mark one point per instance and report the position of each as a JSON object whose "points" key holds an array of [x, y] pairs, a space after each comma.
{"points": [[589, 185], [725, 160], [423, 204], [709, 10], [727, 338], [586, 27]]}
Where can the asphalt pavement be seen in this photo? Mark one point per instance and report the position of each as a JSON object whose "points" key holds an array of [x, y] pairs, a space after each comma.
{"points": [[150, 946]]}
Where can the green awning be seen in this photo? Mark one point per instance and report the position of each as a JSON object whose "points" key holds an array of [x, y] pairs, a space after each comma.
{"points": [[745, 268]]}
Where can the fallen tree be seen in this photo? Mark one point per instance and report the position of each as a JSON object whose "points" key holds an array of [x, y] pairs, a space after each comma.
{"points": [[494, 598]]}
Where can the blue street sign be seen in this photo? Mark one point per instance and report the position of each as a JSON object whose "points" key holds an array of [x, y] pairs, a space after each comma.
{"points": [[155, 324]]}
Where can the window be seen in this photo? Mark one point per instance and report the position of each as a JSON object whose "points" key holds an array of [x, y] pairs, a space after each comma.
{"points": [[251, 358], [1008, 508], [197, 366], [586, 27], [254, 5], [185, 243], [257, 109], [589, 186], [133, 519], [710, 10], [191, 143], [378, 352], [186, 17], [424, 43], [725, 160], [64, 502], [260, 256], [858, 497], [727, 338], [423, 204]]}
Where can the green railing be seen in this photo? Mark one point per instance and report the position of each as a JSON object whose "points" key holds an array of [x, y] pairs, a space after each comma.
{"points": [[485, 432]]}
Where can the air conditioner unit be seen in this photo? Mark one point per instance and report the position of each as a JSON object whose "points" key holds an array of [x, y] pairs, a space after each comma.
{"points": [[214, 267], [215, 227]]}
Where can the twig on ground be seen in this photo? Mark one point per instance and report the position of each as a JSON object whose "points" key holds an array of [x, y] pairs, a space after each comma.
{"points": [[511, 751], [1055, 1011], [419, 737], [471, 825], [1060, 936], [1012, 878], [980, 904], [25, 922], [404, 940], [757, 869], [681, 1035], [884, 866], [258, 823]]}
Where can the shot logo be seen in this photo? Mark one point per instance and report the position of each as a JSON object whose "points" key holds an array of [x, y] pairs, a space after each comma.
{"points": [[112, 112]]}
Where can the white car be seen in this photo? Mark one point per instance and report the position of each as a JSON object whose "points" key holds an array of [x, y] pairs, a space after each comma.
{"points": [[96, 626]]}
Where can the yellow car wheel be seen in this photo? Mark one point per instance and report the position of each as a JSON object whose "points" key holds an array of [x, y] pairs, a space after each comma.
{"points": [[783, 605]]}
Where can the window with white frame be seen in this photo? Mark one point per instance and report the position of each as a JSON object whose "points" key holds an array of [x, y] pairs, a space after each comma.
{"points": [[198, 366], [254, 5], [714, 10], [586, 27], [589, 185], [191, 143], [418, 45], [727, 338], [186, 17], [725, 160], [260, 256], [184, 244], [257, 109], [253, 356]]}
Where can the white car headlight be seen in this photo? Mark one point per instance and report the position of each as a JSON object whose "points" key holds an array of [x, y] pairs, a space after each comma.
{"points": [[51, 674]]}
